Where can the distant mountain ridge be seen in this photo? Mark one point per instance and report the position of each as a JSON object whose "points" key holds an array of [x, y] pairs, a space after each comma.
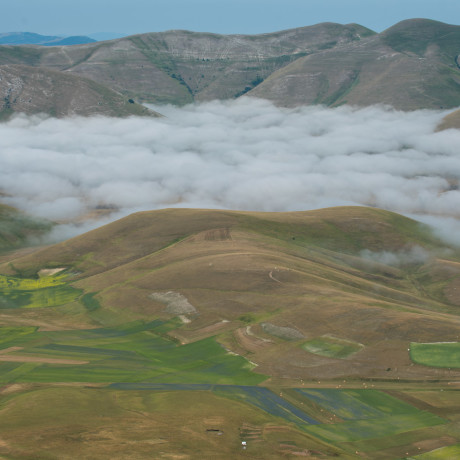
{"points": [[412, 65], [29, 38]]}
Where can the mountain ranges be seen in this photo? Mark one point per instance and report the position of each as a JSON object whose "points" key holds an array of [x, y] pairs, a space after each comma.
{"points": [[412, 65]]}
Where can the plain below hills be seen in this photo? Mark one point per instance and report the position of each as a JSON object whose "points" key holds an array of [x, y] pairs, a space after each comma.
{"points": [[333, 293], [411, 65]]}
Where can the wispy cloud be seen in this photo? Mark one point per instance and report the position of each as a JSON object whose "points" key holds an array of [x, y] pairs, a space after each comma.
{"points": [[245, 154]]}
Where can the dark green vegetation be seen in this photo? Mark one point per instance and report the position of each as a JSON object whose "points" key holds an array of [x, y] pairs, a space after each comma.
{"points": [[18, 229], [149, 337], [412, 65]]}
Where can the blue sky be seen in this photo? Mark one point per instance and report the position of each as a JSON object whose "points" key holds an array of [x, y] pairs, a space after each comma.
{"points": [[67, 17]]}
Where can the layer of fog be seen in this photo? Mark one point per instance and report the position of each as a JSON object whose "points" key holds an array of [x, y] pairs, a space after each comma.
{"points": [[413, 255], [245, 154]]}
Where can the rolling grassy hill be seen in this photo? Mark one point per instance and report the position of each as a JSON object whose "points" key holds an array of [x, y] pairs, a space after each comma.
{"points": [[288, 331], [267, 283]]}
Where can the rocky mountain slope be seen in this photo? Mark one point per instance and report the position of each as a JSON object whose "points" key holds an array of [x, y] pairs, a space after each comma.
{"points": [[181, 66], [411, 65], [33, 90]]}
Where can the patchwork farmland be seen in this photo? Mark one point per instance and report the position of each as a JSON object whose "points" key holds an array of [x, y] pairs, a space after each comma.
{"points": [[274, 333]]}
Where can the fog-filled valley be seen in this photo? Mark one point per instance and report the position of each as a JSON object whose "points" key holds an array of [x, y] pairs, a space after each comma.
{"points": [[246, 154]]}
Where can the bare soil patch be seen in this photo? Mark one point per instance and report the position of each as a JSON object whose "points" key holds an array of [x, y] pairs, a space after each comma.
{"points": [[176, 303], [49, 271], [283, 332]]}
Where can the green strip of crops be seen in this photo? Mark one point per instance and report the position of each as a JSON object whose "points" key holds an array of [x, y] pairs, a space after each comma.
{"points": [[373, 428], [444, 453], [138, 352]]}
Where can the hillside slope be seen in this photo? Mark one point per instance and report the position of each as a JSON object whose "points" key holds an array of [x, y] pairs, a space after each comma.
{"points": [[412, 65], [409, 66], [450, 121], [269, 286], [31, 90], [181, 66]]}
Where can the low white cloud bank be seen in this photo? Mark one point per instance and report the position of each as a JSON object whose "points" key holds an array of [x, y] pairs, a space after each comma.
{"points": [[245, 154], [413, 255]]}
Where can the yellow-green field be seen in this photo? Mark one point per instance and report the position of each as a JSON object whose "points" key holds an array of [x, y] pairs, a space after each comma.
{"points": [[49, 291]]}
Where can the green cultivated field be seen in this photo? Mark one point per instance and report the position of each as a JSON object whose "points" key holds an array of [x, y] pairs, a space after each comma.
{"points": [[136, 352], [365, 420], [444, 453], [436, 354]]}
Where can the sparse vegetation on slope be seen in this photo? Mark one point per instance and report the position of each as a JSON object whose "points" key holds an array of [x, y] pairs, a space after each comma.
{"points": [[31, 90]]}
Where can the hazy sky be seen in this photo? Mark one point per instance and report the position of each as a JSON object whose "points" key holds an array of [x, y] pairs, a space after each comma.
{"points": [[245, 154], [63, 17]]}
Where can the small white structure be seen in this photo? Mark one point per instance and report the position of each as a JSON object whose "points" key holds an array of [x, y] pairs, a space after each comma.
{"points": [[243, 443]]}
